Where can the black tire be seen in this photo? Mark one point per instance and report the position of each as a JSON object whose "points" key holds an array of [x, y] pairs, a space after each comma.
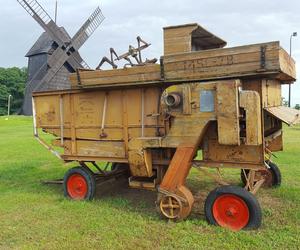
{"points": [[275, 172], [253, 208], [86, 177]]}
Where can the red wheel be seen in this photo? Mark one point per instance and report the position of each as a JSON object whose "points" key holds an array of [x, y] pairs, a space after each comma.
{"points": [[79, 184], [231, 211], [233, 207], [77, 187]]}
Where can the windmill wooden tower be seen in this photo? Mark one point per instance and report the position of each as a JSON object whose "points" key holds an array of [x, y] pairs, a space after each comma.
{"points": [[59, 50]]}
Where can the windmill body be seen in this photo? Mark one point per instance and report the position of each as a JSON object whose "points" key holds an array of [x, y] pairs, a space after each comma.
{"points": [[55, 54]]}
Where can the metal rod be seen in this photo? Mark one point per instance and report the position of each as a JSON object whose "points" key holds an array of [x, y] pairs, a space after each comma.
{"points": [[294, 34], [290, 86], [35, 130], [8, 105], [143, 113], [55, 12], [61, 107], [104, 113], [41, 141]]}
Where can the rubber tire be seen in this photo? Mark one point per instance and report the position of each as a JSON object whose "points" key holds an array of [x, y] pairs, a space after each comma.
{"points": [[276, 174], [274, 170], [255, 213], [88, 176]]}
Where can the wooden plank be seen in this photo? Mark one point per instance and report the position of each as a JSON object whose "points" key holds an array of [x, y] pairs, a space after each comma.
{"points": [[228, 112], [287, 64], [73, 125], [271, 46], [218, 67], [178, 40], [250, 101], [105, 149], [125, 121], [134, 74], [287, 115], [271, 90], [216, 152], [122, 79]]}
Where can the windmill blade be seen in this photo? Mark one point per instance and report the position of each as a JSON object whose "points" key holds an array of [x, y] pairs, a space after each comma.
{"points": [[39, 14], [87, 29]]}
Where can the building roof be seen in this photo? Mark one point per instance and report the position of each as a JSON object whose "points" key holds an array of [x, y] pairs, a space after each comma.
{"points": [[44, 44]]}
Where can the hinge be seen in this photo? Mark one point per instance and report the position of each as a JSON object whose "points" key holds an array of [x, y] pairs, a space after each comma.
{"points": [[162, 69], [263, 57]]}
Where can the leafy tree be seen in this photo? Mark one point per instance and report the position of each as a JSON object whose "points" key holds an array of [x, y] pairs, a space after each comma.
{"points": [[284, 102], [297, 106], [12, 82]]}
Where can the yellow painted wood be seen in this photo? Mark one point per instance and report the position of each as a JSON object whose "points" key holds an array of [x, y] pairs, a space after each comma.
{"points": [[250, 101], [228, 112]]}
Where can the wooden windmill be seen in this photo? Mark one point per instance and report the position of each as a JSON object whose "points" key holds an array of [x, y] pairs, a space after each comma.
{"points": [[62, 58]]}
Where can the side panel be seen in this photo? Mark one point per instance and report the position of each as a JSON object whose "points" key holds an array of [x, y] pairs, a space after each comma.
{"points": [[100, 124], [228, 112], [213, 151], [250, 101]]}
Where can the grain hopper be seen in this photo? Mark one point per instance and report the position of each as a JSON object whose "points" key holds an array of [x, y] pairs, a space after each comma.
{"points": [[150, 119]]}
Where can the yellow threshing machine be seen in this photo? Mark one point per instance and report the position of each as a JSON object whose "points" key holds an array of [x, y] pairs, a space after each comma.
{"points": [[149, 121]]}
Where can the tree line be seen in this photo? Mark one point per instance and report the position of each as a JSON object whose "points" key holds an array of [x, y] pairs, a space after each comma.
{"points": [[12, 82]]}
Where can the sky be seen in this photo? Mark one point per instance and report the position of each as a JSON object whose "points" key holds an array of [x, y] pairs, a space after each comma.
{"points": [[239, 22]]}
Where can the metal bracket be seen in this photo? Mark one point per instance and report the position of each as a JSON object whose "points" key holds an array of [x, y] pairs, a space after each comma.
{"points": [[263, 57], [165, 192], [109, 61], [78, 77], [162, 69]]}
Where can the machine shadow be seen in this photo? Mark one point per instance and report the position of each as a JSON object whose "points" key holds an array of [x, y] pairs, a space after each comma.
{"points": [[143, 201]]}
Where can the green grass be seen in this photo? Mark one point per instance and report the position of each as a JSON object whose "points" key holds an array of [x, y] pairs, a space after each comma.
{"points": [[36, 216]]}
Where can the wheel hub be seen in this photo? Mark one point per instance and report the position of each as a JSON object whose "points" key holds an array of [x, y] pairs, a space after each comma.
{"points": [[171, 207], [231, 211], [77, 187]]}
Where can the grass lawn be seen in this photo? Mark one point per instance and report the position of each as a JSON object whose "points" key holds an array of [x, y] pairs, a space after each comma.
{"points": [[36, 216]]}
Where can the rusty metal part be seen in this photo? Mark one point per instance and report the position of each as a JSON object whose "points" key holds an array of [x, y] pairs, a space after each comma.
{"points": [[136, 54], [170, 206], [182, 196], [109, 61], [173, 100]]}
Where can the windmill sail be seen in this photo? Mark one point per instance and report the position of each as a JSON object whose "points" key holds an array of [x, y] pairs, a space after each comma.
{"points": [[87, 29], [39, 14]]}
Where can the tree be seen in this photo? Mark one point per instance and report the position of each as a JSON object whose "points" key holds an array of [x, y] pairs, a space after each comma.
{"points": [[297, 106], [284, 102], [12, 82]]}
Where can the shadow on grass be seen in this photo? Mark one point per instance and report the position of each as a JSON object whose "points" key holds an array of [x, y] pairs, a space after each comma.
{"points": [[28, 178]]}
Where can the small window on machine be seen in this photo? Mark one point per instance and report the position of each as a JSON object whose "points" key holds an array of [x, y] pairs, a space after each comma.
{"points": [[207, 101]]}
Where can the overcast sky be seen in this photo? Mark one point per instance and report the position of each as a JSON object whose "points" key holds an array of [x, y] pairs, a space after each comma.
{"points": [[239, 22]]}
